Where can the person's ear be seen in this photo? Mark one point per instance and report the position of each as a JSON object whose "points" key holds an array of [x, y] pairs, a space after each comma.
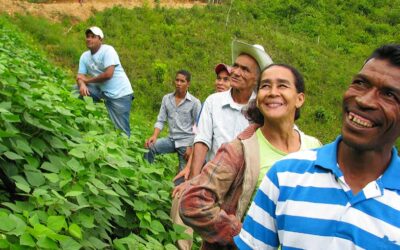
{"points": [[300, 100]]}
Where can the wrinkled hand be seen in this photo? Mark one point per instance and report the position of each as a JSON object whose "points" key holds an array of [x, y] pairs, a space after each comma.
{"points": [[187, 154], [178, 190], [83, 90], [184, 173], [150, 141]]}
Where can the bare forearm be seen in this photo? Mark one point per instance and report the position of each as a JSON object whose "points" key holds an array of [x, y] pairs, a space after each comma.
{"points": [[199, 155]]}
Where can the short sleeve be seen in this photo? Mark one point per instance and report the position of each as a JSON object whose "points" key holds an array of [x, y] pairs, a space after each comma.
{"points": [[82, 65], [111, 57]]}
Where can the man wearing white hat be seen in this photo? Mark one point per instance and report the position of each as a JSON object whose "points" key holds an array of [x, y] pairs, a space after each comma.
{"points": [[101, 76], [221, 119]]}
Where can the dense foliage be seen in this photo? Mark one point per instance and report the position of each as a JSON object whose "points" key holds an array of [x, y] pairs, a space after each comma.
{"points": [[78, 183]]}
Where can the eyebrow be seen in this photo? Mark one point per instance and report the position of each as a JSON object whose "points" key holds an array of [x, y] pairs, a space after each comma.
{"points": [[280, 80], [394, 87]]}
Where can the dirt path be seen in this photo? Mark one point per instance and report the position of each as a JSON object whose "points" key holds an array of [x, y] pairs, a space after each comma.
{"points": [[59, 8]]}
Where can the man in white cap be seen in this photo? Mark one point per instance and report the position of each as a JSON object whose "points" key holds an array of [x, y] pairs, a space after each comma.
{"points": [[221, 119], [101, 76]]}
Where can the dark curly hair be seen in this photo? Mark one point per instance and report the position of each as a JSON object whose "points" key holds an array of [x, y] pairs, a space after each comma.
{"points": [[253, 114]]}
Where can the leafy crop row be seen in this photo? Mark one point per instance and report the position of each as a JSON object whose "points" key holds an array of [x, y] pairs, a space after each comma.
{"points": [[69, 180]]}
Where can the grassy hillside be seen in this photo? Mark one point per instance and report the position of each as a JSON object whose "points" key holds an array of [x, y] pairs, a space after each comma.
{"points": [[326, 40]]}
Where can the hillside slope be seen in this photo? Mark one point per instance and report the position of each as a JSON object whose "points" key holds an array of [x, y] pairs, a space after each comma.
{"points": [[326, 40]]}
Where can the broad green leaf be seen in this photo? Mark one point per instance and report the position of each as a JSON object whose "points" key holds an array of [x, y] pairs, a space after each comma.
{"points": [[68, 243], [75, 165], [13, 156], [10, 117], [157, 226], [7, 224], [56, 223], [50, 167], [47, 243], [100, 185], [110, 192], [4, 244], [34, 220], [35, 178], [20, 225], [77, 153], [86, 220], [57, 143], [75, 231], [32, 161], [73, 193], [98, 244], [39, 146], [170, 247], [27, 240], [119, 190], [23, 145], [53, 178]]}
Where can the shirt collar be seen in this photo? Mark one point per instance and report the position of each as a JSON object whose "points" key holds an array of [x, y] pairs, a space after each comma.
{"points": [[327, 159], [188, 96], [228, 100]]}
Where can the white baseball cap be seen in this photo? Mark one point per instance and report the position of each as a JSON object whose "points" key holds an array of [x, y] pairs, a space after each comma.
{"points": [[256, 51], [95, 30]]}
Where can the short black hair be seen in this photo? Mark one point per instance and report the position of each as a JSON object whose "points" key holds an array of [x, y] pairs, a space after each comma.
{"points": [[389, 52], [253, 114], [184, 72]]}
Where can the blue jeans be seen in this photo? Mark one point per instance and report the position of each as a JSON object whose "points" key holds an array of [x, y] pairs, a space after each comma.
{"points": [[118, 109], [167, 146]]}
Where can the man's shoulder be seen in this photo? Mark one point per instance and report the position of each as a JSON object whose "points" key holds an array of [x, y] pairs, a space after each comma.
{"points": [[85, 54], [218, 97], [166, 96]]}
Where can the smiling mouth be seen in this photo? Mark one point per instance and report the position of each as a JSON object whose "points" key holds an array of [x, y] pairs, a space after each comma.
{"points": [[274, 105], [359, 121]]}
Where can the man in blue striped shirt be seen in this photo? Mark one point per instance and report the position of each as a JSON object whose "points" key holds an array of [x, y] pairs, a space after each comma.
{"points": [[345, 195]]}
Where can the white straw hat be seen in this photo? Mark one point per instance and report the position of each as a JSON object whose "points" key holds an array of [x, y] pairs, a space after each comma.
{"points": [[256, 51]]}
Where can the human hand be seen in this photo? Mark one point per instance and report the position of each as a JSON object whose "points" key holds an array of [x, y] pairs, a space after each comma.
{"points": [[178, 190], [184, 173], [150, 141], [187, 154], [83, 90]]}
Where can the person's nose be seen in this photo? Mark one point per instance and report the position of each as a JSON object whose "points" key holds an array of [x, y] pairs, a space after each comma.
{"points": [[368, 99]]}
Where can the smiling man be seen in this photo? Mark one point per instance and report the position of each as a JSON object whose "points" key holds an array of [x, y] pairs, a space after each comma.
{"points": [[345, 195], [102, 77]]}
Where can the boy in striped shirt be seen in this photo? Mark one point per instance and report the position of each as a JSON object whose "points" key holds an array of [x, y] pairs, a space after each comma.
{"points": [[345, 195]]}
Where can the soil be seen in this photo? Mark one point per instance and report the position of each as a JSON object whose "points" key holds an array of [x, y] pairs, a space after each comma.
{"points": [[57, 9]]}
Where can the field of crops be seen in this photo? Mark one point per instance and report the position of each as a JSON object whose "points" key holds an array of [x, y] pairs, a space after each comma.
{"points": [[78, 183]]}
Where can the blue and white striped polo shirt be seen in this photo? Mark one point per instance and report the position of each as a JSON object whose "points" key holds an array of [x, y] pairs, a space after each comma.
{"points": [[305, 203]]}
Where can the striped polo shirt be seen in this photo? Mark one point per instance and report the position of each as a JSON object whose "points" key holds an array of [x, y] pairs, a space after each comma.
{"points": [[304, 203]]}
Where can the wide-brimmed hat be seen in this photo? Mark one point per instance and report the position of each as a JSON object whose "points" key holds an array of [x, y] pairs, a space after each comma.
{"points": [[256, 51], [95, 30], [222, 67]]}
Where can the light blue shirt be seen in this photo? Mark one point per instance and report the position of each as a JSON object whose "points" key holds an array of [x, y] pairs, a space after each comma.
{"points": [[304, 202], [221, 120], [96, 64]]}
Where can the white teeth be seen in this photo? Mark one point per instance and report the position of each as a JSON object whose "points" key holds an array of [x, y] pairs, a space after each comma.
{"points": [[274, 105], [359, 122]]}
